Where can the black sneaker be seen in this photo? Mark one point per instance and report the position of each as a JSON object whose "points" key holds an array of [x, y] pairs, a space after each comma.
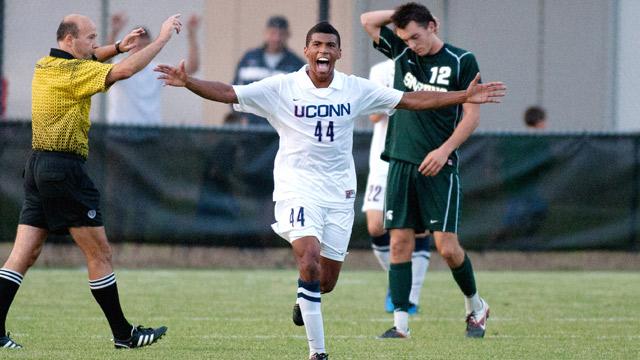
{"points": [[393, 333], [6, 342], [297, 316], [317, 356], [140, 337]]}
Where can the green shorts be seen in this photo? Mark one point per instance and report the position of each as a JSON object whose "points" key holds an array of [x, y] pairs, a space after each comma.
{"points": [[419, 202]]}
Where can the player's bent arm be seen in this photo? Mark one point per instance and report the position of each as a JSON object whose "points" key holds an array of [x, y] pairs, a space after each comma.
{"points": [[373, 21], [212, 90], [423, 100], [467, 125]]}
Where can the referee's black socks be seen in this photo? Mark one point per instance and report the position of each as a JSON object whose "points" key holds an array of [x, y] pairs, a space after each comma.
{"points": [[105, 291], [9, 283]]}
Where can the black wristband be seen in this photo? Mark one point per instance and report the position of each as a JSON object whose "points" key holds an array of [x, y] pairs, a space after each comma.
{"points": [[118, 48]]}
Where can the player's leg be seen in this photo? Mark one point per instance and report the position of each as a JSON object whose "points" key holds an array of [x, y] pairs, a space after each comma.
{"points": [[419, 266], [379, 237], [300, 222], [307, 253], [25, 252], [476, 308]]}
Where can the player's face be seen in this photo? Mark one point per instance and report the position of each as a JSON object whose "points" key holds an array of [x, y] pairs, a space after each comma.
{"points": [[322, 53], [85, 45], [418, 38]]}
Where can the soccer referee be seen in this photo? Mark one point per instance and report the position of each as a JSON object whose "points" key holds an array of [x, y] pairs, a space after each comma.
{"points": [[59, 195]]}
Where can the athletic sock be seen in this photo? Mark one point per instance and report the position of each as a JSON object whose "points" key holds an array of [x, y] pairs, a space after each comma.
{"points": [[105, 291], [380, 246], [419, 266], [9, 284], [401, 321], [400, 285], [473, 303], [309, 301], [464, 277]]}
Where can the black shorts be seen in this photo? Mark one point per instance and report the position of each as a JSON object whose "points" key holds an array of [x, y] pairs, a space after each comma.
{"points": [[58, 193]]}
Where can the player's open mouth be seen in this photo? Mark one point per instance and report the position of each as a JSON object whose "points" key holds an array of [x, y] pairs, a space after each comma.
{"points": [[322, 64]]}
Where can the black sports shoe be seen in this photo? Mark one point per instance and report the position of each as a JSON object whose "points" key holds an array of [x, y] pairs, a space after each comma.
{"points": [[317, 356], [297, 315], [393, 333], [140, 337], [7, 343]]}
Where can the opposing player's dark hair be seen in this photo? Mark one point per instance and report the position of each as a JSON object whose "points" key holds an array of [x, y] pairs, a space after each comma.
{"points": [[67, 27], [534, 115], [408, 12], [322, 28]]}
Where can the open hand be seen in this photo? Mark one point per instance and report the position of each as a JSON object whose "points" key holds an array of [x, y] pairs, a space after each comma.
{"points": [[172, 76], [485, 93], [169, 26]]}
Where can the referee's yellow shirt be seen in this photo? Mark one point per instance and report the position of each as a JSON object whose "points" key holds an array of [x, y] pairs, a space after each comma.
{"points": [[61, 100]]}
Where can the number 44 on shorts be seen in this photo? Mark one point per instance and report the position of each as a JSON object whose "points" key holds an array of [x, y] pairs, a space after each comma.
{"points": [[300, 218]]}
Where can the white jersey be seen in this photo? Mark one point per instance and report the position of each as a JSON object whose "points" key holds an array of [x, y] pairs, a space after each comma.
{"points": [[136, 100], [381, 73], [315, 125]]}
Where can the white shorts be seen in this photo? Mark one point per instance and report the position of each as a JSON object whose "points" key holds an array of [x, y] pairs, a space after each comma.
{"points": [[297, 218], [375, 192]]}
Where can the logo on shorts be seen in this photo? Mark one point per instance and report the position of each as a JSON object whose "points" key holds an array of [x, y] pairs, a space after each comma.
{"points": [[389, 215], [433, 221], [91, 214], [350, 194]]}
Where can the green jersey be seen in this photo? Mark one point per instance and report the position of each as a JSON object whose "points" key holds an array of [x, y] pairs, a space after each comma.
{"points": [[411, 135]]}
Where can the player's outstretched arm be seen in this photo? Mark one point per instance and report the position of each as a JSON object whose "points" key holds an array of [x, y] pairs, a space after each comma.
{"points": [[136, 62], [373, 21], [212, 90], [475, 94], [127, 44]]}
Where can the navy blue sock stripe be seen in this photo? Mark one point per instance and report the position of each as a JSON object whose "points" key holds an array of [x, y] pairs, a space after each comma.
{"points": [[313, 286], [307, 297]]}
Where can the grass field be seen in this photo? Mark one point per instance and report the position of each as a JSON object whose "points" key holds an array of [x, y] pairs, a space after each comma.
{"points": [[246, 315]]}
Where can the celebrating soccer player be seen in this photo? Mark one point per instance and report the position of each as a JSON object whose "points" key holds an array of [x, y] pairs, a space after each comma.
{"points": [[313, 111]]}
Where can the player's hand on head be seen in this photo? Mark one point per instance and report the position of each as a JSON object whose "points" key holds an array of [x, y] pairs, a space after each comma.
{"points": [[485, 93], [169, 26], [128, 42], [172, 76]]}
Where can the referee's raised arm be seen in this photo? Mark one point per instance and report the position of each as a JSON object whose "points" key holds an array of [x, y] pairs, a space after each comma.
{"points": [[136, 62]]}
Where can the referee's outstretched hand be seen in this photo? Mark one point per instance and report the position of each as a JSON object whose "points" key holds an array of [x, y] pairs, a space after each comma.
{"points": [[485, 93], [173, 76]]}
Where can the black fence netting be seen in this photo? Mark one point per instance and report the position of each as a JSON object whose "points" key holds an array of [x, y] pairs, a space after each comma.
{"points": [[213, 187]]}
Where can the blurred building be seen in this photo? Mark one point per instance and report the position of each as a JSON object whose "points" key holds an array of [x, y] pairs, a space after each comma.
{"points": [[574, 57]]}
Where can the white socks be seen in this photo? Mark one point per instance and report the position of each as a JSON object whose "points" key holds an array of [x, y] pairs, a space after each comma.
{"points": [[419, 266], [310, 307], [473, 303]]}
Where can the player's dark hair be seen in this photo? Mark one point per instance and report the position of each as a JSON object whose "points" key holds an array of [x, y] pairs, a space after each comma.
{"points": [[67, 27], [323, 28], [406, 13], [534, 115]]}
